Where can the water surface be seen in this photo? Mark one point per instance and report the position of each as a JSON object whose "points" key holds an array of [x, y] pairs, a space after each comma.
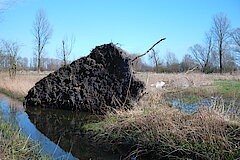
{"points": [[58, 131]]}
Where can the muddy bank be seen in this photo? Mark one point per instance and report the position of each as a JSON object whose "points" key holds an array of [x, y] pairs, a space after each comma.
{"points": [[100, 82]]}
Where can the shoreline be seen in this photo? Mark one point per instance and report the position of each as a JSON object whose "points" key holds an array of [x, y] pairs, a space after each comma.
{"points": [[13, 143], [12, 95]]}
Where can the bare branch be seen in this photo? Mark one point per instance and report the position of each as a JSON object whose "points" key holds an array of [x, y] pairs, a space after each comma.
{"points": [[147, 50], [236, 36]]}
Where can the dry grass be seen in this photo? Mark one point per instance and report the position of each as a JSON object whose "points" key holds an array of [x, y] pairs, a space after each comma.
{"points": [[21, 84], [157, 130], [24, 81], [181, 80], [13, 144]]}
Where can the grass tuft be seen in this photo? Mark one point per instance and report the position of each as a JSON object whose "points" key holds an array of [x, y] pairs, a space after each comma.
{"points": [[13, 145]]}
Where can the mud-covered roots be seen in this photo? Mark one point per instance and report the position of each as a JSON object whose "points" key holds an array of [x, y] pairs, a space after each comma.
{"points": [[100, 82]]}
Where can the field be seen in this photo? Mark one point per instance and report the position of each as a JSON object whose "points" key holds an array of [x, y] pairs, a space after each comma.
{"points": [[21, 84], [24, 81], [155, 128]]}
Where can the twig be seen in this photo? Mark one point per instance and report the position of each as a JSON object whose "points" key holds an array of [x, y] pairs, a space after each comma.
{"points": [[147, 50]]}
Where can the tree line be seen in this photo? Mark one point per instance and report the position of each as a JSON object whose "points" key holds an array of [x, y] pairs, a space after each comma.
{"points": [[42, 32], [219, 52]]}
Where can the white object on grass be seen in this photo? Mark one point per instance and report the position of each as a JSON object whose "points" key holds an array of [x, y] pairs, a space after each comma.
{"points": [[158, 84]]}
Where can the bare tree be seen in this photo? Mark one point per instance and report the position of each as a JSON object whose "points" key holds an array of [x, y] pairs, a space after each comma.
{"points": [[236, 38], [42, 32], [230, 62], [187, 62], [199, 55], [155, 59], [171, 59], [172, 63], [221, 33], [65, 50], [11, 49], [22, 63], [202, 54]]}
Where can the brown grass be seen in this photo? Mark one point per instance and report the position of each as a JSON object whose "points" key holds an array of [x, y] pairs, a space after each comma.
{"points": [[24, 81], [21, 84], [181, 80], [155, 129]]}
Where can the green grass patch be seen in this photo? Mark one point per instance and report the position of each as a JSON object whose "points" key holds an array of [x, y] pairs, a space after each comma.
{"points": [[228, 87], [190, 100], [98, 127]]}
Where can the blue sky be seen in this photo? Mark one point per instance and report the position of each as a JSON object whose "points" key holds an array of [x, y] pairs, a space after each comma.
{"points": [[135, 24]]}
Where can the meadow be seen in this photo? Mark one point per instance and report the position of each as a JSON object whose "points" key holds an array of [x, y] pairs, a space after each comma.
{"points": [[155, 128]]}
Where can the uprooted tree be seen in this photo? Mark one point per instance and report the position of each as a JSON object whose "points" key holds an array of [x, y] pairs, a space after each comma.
{"points": [[101, 82], [98, 83]]}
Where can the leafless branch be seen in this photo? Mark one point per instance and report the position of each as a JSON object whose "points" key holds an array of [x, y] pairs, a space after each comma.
{"points": [[147, 50]]}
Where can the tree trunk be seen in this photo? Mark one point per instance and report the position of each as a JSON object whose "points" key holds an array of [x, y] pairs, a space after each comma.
{"points": [[220, 57], [39, 57], [39, 62], [64, 54]]}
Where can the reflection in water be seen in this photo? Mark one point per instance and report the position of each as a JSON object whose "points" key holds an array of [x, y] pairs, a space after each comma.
{"points": [[230, 106], [13, 112], [63, 128], [51, 127]]}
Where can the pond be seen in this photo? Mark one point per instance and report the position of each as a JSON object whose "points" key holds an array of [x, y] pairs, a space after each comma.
{"points": [[192, 103], [57, 131]]}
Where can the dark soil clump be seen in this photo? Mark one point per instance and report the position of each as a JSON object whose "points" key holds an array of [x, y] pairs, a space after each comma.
{"points": [[98, 83]]}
